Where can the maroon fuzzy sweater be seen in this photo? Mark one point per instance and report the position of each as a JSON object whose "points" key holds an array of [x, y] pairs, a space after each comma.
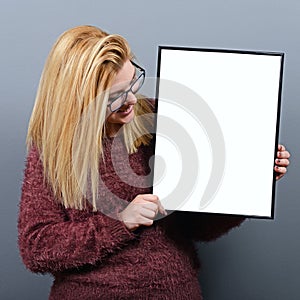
{"points": [[93, 256]]}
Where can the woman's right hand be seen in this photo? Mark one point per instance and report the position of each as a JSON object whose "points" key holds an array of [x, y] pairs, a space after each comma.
{"points": [[141, 211]]}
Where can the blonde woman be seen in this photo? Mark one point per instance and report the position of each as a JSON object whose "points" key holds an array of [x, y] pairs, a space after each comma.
{"points": [[79, 220]]}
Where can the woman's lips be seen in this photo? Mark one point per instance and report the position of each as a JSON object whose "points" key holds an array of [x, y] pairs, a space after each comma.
{"points": [[125, 111]]}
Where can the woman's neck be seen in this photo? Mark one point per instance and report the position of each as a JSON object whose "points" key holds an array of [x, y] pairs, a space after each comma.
{"points": [[112, 129]]}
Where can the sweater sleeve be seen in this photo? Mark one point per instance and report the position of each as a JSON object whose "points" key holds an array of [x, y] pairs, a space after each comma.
{"points": [[206, 227], [210, 227], [51, 242]]}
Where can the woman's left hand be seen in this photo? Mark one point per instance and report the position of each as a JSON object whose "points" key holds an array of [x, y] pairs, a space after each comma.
{"points": [[281, 161]]}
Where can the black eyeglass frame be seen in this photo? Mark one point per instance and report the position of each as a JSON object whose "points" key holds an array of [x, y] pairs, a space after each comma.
{"points": [[143, 74]]}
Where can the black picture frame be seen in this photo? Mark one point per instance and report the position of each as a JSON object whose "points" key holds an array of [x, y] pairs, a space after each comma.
{"points": [[241, 53]]}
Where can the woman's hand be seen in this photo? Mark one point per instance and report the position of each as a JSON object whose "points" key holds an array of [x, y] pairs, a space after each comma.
{"points": [[281, 162], [141, 211]]}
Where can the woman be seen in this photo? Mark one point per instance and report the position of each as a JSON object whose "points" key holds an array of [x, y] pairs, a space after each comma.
{"points": [[78, 220]]}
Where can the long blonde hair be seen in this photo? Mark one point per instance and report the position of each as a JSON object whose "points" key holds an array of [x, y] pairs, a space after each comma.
{"points": [[67, 124]]}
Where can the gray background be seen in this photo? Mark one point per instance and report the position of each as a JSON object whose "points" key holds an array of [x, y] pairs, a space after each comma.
{"points": [[256, 261]]}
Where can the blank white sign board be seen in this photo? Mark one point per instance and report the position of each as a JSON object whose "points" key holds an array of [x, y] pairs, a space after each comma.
{"points": [[217, 130]]}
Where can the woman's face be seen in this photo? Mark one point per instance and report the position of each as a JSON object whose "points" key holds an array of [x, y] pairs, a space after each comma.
{"points": [[125, 113]]}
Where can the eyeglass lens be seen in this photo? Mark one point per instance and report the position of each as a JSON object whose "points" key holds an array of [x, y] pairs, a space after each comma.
{"points": [[118, 102]]}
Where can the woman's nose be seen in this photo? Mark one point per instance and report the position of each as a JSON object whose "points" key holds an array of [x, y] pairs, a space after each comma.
{"points": [[131, 98]]}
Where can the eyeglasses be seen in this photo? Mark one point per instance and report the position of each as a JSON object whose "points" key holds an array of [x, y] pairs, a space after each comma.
{"points": [[115, 103]]}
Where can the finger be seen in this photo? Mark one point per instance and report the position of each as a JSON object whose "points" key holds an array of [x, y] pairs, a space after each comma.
{"points": [[134, 221], [155, 199], [282, 162], [145, 205], [150, 197], [145, 221], [281, 170], [145, 198], [162, 209], [142, 221], [150, 206], [283, 154], [281, 147], [148, 213], [134, 226], [279, 176]]}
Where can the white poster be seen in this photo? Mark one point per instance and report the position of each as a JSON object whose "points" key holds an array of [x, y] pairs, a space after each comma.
{"points": [[217, 130]]}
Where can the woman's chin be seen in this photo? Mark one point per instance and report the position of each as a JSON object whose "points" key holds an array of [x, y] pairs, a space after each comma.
{"points": [[127, 117], [117, 119]]}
